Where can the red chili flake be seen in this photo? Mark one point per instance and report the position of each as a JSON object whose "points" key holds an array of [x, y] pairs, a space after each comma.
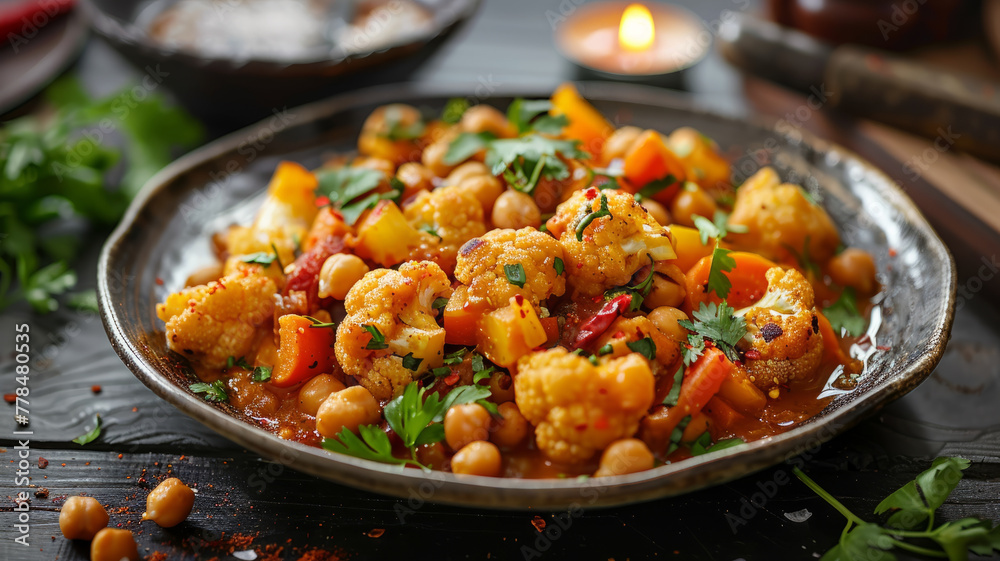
{"points": [[620, 334], [581, 427], [538, 522], [519, 299], [159, 281], [753, 354], [591, 194], [579, 265], [119, 456], [452, 379], [95, 388], [322, 201], [601, 423], [42, 463], [134, 409], [892, 252], [376, 533], [9, 397]]}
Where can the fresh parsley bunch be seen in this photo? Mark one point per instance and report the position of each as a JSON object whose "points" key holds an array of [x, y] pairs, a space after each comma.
{"points": [[54, 170]]}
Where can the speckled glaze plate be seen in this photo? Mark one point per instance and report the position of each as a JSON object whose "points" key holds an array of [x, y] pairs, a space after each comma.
{"points": [[166, 235]]}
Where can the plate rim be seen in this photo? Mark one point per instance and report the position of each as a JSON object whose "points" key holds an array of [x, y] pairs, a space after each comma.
{"points": [[486, 492]]}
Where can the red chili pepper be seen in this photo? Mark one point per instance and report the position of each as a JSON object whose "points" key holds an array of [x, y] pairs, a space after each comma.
{"points": [[591, 329]]}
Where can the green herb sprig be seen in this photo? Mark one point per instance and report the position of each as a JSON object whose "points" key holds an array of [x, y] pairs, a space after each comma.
{"points": [[716, 324]]}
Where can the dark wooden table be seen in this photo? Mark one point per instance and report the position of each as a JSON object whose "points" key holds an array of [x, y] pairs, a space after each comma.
{"points": [[271, 509]]}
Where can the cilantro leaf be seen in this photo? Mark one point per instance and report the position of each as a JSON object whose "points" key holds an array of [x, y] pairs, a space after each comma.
{"points": [[411, 363], [675, 389], [377, 342], [916, 501], [454, 109], [599, 213], [409, 414], [716, 324], [521, 113], [92, 434], [559, 266], [466, 145], [650, 189], [260, 258], [716, 228], [515, 274], [844, 315], [455, 357], [645, 346], [399, 131], [722, 263], [215, 392], [373, 444], [261, 374], [349, 189]]}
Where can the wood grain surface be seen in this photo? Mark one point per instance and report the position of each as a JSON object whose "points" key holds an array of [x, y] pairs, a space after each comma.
{"points": [[269, 507]]}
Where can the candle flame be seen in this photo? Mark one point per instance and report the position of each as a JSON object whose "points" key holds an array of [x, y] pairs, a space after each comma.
{"points": [[635, 33]]}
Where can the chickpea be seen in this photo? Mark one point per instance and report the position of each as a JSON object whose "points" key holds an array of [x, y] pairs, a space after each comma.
{"points": [[477, 458], [81, 518], [668, 287], [205, 275], [467, 170], [340, 272], [484, 187], [690, 201], [466, 423], [432, 455], [502, 387], [485, 118], [378, 164], [316, 390], [433, 156], [169, 503], [619, 143], [665, 319], [349, 408], [657, 211], [628, 455], [111, 544], [514, 209], [415, 177], [512, 429], [854, 268]]}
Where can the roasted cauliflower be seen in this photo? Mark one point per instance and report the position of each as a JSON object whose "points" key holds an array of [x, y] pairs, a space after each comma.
{"points": [[607, 236], [577, 408], [481, 263], [389, 317], [447, 217], [213, 322], [783, 341], [781, 222]]}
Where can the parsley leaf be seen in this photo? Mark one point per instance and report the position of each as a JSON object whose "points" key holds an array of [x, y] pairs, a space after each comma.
{"points": [[348, 189], [716, 324], [411, 363], [515, 274], [215, 392], [466, 145], [417, 420], [454, 109], [844, 315], [716, 228], [601, 212], [92, 434], [261, 374], [373, 444], [529, 152], [916, 501], [531, 115], [559, 266], [655, 186], [675, 389], [645, 346], [722, 263], [377, 342]]}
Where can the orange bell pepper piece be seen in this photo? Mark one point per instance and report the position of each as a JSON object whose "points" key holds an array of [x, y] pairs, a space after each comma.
{"points": [[689, 247], [586, 124], [738, 391], [747, 277], [722, 415], [648, 160], [303, 351]]}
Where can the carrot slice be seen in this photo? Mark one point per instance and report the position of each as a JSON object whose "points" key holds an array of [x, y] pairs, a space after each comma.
{"points": [[701, 382], [748, 279]]}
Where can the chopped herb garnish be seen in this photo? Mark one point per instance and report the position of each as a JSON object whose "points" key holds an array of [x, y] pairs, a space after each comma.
{"points": [[716, 228], [261, 374], [411, 362], [481, 375], [531, 115], [240, 362], [677, 434], [716, 324], [350, 189], [675, 389], [601, 212], [638, 291], [92, 434], [722, 263], [417, 420], [318, 323], [653, 187], [377, 342], [455, 357], [441, 371], [397, 130], [277, 257], [645, 346], [515, 274], [430, 230], [559, 266], [466, 145], [439, 303], [844, 315], [260, 258], [530, 158], [912, 505], [373, 444], [216, 391], [454, 109], [704, 444], [605, 350]]}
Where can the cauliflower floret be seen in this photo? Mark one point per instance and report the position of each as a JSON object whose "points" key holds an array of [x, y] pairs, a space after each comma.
{"points": [[212, 322], [398, 305], [448, 217], [612, 247], [782, 223], [783, 341], [481, 264], [577, 408]]}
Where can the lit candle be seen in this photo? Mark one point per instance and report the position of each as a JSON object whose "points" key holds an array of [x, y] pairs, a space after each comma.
{"points": [[633, 41]]}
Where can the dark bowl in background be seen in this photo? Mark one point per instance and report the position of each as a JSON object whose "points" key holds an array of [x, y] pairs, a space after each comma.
{"points": [[232, 92]]}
